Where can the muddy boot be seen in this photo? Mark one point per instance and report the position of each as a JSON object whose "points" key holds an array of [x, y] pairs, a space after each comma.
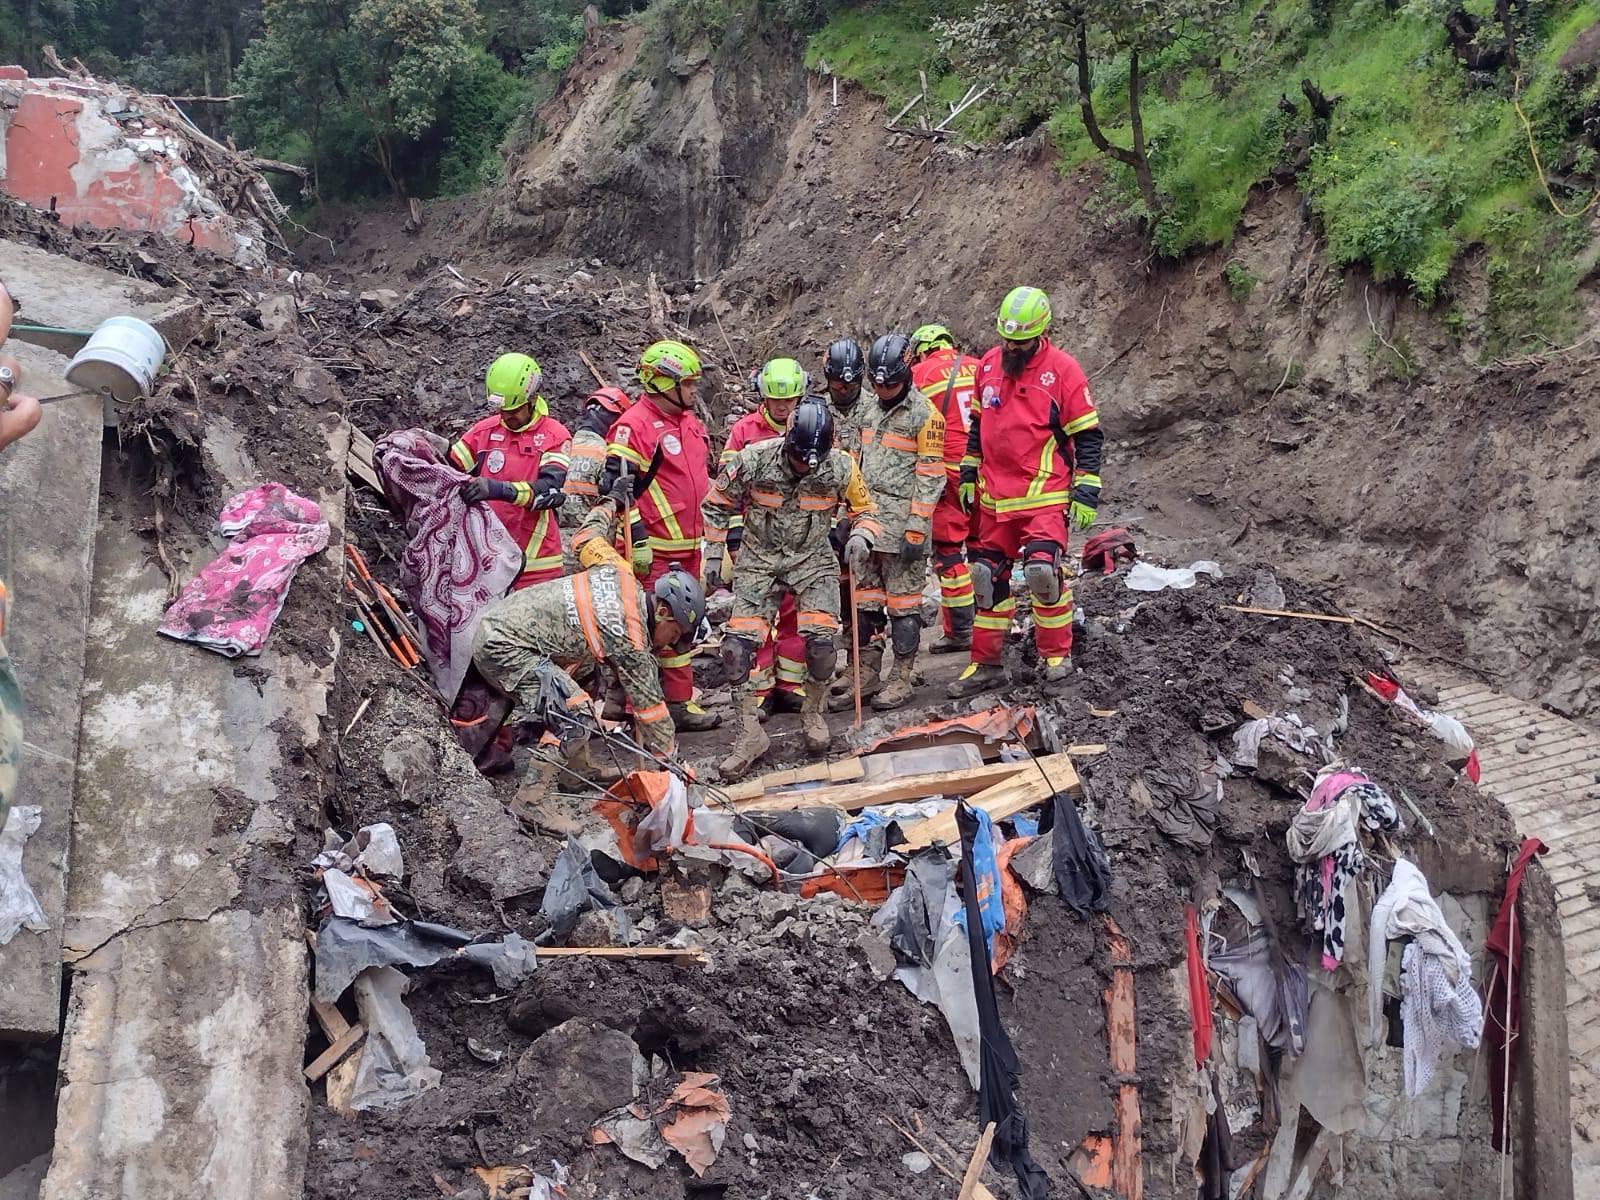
{"points": [[689, 717], [752, 742], [844, 689], [812, 723], [978, 677], [959, 639], [898, 688], [1057, 670]]}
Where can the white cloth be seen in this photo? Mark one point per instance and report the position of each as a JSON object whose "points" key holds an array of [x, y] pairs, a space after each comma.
{"points": [[1315, 834], [1290, 730], [1407, 908], [1434, 1009]]}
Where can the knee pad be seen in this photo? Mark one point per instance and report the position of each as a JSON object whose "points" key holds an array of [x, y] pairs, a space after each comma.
{"points": [[946, 559], [906, 635], [821, 658], [1044, 581], [738, 656], [991, 579]]}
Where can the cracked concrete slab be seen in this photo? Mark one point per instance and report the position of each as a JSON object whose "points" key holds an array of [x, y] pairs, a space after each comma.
{"points": [[185, 1032]]}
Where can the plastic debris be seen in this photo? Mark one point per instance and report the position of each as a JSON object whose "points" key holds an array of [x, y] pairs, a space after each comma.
{"points": [[346, 947], [692, 1119], [19, 907], [1146, 577], [574, 888], [394, 1062], [356, 899]]}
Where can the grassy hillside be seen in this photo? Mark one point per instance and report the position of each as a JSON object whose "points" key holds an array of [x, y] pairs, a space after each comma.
{"points": [[1420, 162]]}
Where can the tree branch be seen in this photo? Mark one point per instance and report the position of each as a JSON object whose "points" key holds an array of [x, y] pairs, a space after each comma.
{"points": [[1086, 99]]}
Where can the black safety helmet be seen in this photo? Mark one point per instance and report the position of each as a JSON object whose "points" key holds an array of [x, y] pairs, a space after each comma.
{"points": [[810, 434], [889, 360], [844, 361], [684, 598]]}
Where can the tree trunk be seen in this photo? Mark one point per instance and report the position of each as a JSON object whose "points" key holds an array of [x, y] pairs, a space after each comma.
{"points": [[385, 156], [1135, 158], [1141, 159]]}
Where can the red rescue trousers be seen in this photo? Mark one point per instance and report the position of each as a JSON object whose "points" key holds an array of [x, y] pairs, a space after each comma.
{"points": [[1036, 534], [785, 650], [677, 676], [950, 527]]}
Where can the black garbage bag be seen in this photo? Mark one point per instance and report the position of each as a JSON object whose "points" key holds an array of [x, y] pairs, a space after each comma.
{"points": [[1083, 873], [817, 829], [573, 889], [998, 1065], [914, 935]]}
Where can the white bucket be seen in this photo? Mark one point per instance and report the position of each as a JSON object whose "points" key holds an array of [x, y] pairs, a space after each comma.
{"points": [[120, 358]]}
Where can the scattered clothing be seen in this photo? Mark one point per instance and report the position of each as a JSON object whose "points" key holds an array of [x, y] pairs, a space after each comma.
{"points": [[1322, 838], [1104, 552], [998, 1063], [1290, 730], [1504, 1023], [1271, 989], [1437, 1005], [458, 559], [1183, 803], [19, 907], [1083, 873], [980, 866], [1447, 729], [231, 605], [1407, 909]]}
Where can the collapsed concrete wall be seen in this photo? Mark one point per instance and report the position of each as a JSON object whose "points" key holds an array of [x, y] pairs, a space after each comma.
{"points": [[108, 156]]}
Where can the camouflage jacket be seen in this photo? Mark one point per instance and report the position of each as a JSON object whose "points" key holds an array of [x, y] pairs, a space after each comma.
{"points": [[598, 616], [847, 423], [787, 517], [902, 460]]}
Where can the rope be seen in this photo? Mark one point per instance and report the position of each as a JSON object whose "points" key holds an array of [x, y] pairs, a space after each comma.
{"points": [[1539, 167]]}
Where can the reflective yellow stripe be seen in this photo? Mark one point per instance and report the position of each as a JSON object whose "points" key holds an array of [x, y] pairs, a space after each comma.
{"points": [[726, 456], [462, 456], [1086, 478], [1088, 421], [531, 560], [985, 622], [969, 460], [557, 458], [668, 661], [668, 517], [629, 453], [1052, 618], [1047, 462], [656, 543], [521, 494], [1020, 503]]}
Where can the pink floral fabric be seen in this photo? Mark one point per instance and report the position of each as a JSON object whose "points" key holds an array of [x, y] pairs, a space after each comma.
{"points": [[231, 605]]}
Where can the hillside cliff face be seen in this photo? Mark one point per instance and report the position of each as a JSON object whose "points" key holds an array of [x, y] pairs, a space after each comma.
{"points": [[1302, 416]]}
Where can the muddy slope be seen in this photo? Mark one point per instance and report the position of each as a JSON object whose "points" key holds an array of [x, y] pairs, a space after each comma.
{"points": [[1322, 421]]}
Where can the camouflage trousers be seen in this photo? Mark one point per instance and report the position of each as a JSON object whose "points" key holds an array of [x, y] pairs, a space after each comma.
{"points": [[759, 586], [891, 583]]}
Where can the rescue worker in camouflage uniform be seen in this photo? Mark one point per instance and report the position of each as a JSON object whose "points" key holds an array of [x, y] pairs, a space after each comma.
{"points": [[902, 461], [600, 412], [601, 617], [790, 490]]}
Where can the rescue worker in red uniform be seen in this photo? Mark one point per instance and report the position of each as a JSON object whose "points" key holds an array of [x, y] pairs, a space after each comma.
{"points": [[1032, 467], [947, 378], [780, 671], [660, 437], [518, 458]]}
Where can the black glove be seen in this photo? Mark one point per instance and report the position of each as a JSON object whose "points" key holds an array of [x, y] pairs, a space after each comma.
{"points": [[735, 539], [911, 551], [838, 536], [476, 491], [551, 498]]}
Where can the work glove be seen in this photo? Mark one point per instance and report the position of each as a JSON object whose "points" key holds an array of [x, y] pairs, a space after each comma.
{"points": [[967, 489], [621, 492], [1081, 515], [837, 537], [716, 562], [476, 491], [643, 557], [550, 498], [911, 551], [858, 553]]}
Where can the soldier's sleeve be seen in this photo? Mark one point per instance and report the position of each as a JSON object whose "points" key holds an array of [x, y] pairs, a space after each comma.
{"points": [[736, 521], [725, 500], [588, 455], [641, 683], [930, 476], [593, 544], [859, 505]]}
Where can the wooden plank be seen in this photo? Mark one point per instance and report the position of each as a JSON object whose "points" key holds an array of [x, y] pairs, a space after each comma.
{"points": [[856, 796], [689, 954], [334, 1026], [1005, 799], [980, 1154], [329, 1058], [841, 770], [359, 461], [1285, 612]]}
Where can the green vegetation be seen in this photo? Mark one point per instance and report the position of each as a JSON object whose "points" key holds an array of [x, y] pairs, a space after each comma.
{"points": [[1416, 161], [1239, 280]]}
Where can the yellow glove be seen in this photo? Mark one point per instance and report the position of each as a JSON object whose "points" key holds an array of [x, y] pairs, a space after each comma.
{"points": [[1081, 514]]}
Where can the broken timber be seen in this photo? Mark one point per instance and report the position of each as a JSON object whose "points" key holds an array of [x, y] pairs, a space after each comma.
{"points": [[1023, 790], [856, 796]]}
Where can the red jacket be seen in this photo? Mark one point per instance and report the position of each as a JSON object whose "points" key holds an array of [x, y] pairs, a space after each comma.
{"points": [[749, 429], [670, 507], [1024, 432], [519, 457], [948, 378]]}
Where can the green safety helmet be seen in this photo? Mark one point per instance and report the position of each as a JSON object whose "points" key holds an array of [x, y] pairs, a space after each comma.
{"points": [[514, 378], [782, 379], [667, 364], [1024, 314], [927, 338]]}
